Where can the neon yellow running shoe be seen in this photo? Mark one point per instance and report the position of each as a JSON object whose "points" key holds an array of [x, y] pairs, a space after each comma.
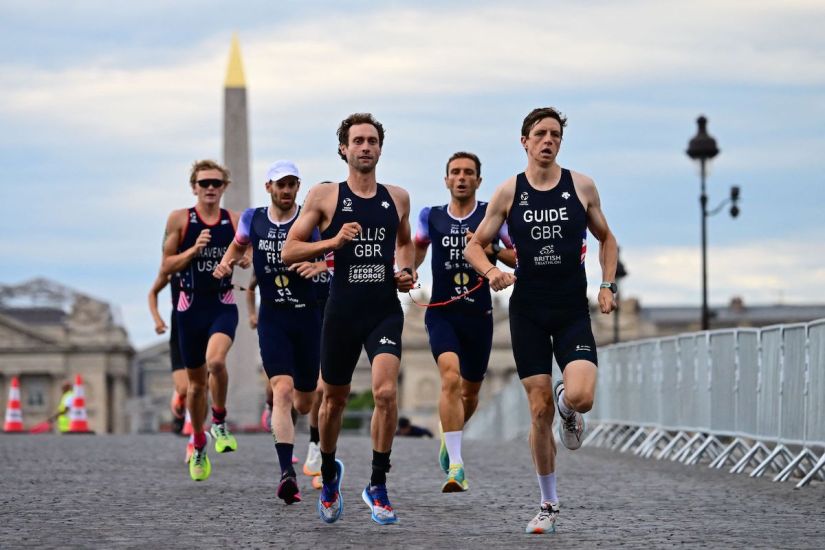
{"points": [[224, 441], [443, 455], [199, 465], [455, 480]]}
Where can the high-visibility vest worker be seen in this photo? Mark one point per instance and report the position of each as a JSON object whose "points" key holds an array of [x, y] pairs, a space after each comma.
{"points": [[66, 399]]}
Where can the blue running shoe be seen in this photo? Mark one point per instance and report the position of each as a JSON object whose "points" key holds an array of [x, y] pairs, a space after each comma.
{"points": [[330, 501], [376, 498]]}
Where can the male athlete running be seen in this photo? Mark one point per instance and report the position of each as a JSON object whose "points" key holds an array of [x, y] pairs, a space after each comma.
{"points": [[179, 378], [548, 210], [196, 240], [461, 331], [289, 324], [366, 224]]}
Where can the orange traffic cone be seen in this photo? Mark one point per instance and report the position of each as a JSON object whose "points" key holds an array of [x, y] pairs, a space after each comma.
{"points": [[78, 423], [14, 416], [187, 425]]}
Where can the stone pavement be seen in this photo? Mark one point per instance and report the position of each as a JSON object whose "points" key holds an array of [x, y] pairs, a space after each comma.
{"points": [[135, 491]]}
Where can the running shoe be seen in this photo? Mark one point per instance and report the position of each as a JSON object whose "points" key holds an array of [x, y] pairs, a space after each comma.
{"points": [[443, 455], [317, 483], [288, 490], [376, 498], [312, 465], [571, 428], [545, 520], [456, 483], [224, 441], [330, 501], [199, 465], [294, 459]]}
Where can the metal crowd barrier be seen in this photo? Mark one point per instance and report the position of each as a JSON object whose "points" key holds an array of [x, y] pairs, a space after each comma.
{"points": [[752, 400]]}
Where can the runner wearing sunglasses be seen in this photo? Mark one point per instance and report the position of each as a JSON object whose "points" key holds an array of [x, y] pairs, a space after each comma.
{"points": [[196, 240]]}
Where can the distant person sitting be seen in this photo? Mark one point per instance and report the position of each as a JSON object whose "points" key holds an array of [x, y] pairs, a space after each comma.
{"points": [[410, 430]]}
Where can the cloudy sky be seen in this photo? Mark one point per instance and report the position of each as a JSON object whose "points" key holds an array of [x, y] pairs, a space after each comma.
{"points": [[104, 106]]}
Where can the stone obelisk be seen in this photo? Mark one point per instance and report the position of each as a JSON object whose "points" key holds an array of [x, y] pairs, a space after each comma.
{"points": [[246, 389]]}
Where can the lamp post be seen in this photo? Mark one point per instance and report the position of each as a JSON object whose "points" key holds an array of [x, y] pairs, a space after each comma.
{"points": [[702, 147]]}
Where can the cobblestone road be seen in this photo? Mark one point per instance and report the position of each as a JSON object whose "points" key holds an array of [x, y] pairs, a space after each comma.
{"points": [[134, 491]]}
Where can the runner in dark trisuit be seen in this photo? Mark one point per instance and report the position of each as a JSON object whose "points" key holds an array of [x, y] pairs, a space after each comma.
{"points": [[461, 332], [548, 210], [196, 240], [179, 378], [289, 324], [366, 224]]}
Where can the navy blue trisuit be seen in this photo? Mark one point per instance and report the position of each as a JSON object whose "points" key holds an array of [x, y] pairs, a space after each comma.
{"points": [[549, 311], [363, 309], [206, 305], [174, 340], [464, 326], [289, 321]]}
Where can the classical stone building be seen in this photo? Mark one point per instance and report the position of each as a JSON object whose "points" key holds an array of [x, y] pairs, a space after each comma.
{"points": [[48, 334]]}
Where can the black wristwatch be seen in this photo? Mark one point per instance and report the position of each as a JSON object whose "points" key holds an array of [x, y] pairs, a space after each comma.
{"points": [[612, 286]]}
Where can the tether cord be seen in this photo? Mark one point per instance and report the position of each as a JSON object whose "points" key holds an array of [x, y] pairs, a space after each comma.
{"points": [[451, 300]]}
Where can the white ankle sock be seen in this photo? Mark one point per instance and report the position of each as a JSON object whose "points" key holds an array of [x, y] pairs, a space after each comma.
{"points": [[453, 442], [563, 408], [548, 488]]}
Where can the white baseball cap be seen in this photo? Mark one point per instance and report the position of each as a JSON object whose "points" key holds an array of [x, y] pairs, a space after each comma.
{"points": [[280, 169]]}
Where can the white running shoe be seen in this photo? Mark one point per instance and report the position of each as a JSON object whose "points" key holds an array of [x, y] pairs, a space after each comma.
{"points": [[571, 428], [312, 465], [545, 520]]}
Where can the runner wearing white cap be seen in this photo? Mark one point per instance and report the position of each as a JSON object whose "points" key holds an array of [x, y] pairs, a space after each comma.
{"points": [[289, 323]]}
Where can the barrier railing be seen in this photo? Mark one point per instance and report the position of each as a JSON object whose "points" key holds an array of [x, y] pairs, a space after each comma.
{"points": [[753, 398]]}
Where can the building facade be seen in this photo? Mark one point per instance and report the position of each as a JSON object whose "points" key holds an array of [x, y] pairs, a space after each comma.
{"points": [[50, 333]]}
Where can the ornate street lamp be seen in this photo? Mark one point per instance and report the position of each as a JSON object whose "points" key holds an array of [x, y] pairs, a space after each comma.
{"points": [[702, 147]]}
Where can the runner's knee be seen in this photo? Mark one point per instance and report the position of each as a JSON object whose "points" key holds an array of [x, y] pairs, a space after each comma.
{"points": [[542, 410], [450, 382], [303, 402], [578, 400], [282, 393], [216, 366], [334, 403], [385, 396]]}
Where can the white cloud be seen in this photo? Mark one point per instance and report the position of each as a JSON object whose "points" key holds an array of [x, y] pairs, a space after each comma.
{"points": [[763, 272], [424, 54]]}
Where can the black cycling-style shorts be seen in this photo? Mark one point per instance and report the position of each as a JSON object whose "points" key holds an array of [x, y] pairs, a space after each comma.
{"points": [[540, 331], [346, 330]]}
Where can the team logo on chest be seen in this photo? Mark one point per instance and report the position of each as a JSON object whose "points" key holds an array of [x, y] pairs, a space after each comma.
{"points": [[385, 204], [346, 205], [524, 196], [565, 195], [193, 217]]}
